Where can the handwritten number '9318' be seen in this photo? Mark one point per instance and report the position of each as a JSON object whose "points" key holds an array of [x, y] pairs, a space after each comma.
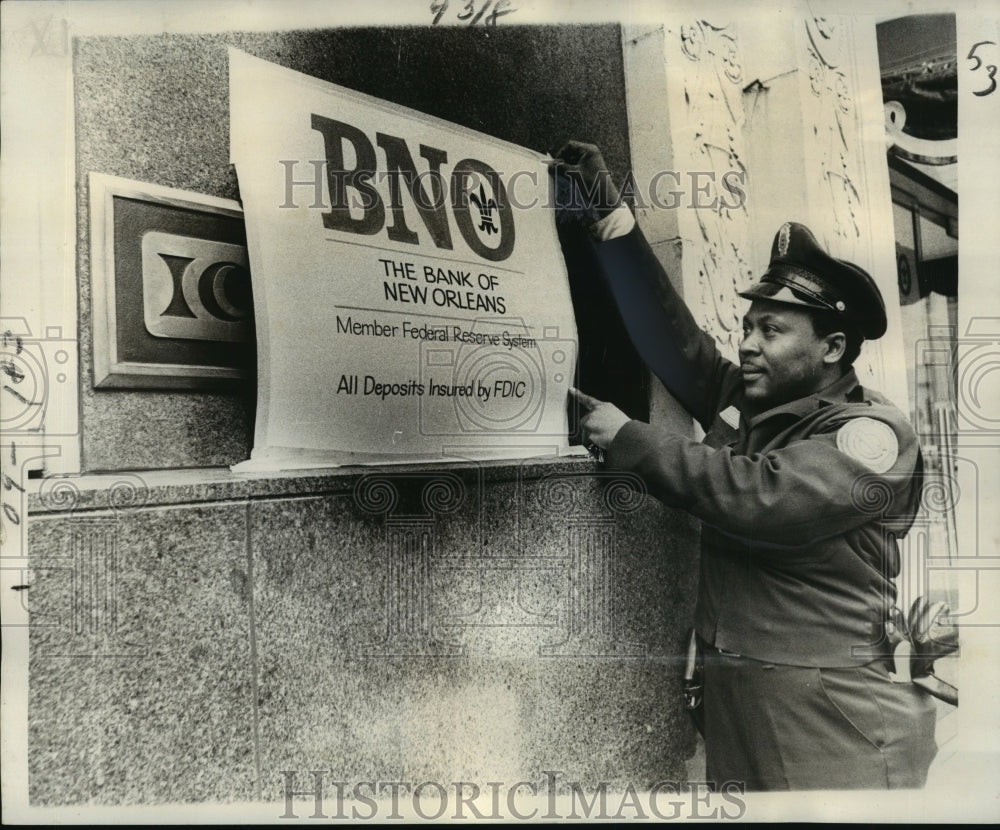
{"points": [[471, 14], [991, 69]]}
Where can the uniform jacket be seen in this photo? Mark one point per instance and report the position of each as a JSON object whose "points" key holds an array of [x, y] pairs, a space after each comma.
{"points": [[801, 505]]}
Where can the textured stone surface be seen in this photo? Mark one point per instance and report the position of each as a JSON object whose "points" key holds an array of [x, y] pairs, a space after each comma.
{"points": [[149, 488], [484, 640], [472, 623], [140, 683]]}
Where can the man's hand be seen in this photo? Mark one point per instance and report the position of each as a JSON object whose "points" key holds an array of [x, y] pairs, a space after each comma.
{"points": [[584, 166], [601, 421]]}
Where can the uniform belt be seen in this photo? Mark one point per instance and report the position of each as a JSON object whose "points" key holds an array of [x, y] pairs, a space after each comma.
{"points": [[709, 647], [884, 659]]}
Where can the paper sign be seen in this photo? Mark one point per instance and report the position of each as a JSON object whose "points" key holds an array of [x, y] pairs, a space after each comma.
{"points": [[410, 295]]}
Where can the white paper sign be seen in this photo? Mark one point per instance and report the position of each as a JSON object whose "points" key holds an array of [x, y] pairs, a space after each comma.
{"points": [[410, 295]]}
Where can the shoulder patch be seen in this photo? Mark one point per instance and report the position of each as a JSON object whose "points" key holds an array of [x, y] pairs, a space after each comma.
{"points": [[871, 442]]}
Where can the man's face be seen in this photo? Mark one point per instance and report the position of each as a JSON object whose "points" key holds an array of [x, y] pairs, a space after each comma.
{"points": [[780, 355]]}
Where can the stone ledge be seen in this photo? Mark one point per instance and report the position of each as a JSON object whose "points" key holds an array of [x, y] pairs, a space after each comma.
{"points": [[59, 495]]}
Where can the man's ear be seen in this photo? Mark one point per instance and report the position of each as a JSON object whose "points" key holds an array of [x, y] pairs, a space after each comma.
{"points": [[836, 344]]}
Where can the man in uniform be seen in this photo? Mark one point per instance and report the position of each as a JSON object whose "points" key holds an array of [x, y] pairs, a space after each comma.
{"points": [[803, 483]]}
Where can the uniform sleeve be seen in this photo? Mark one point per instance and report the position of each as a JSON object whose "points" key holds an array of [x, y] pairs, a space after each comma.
{"points": [[803, 492], [661, 327]]}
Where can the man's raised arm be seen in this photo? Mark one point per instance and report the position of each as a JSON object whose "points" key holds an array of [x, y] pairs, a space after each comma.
{"points": [[659, 324]]}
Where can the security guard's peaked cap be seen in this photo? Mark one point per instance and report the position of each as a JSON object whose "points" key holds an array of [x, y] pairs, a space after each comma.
{"points": [[802, 273]]}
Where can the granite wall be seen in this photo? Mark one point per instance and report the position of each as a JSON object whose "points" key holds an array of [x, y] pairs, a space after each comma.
{"points": [[194, 634], [193, 638]]}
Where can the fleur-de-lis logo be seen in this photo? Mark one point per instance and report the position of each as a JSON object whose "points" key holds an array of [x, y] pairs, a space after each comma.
{"points": [[485, 207]]}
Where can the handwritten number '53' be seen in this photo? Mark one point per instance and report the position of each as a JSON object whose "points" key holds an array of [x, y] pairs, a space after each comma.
{"points": [[991, 69]]}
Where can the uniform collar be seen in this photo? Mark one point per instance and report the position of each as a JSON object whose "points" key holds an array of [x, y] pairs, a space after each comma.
{"points": [[837, 392]]}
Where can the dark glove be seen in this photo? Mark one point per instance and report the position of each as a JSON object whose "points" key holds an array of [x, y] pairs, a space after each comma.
{"points": [[931, 638], [584, 189], [925, 639]]}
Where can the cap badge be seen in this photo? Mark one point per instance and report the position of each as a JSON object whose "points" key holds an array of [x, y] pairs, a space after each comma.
{"points": [[840, 305], [783, 235]]}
